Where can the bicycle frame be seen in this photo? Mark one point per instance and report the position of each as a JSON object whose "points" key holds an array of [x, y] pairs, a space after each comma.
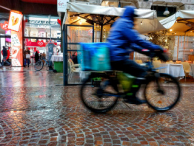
{"points": [[149, 67]]}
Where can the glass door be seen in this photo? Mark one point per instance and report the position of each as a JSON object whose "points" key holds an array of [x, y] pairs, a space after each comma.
{"points": [[74, 34]]}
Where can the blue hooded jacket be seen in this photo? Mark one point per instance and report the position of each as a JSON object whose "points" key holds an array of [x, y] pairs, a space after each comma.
{"points": [[123, 37]]}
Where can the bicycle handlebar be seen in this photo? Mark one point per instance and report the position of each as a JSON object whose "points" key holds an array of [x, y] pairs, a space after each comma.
{"points": [[162, 54]]}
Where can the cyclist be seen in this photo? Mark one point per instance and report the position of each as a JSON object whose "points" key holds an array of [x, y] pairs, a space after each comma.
{"points": [[123, 39]]}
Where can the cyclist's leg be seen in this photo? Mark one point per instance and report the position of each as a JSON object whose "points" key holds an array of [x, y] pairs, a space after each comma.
{"points": [[131, 67]]}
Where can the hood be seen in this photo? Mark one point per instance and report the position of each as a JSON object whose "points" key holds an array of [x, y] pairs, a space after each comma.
{"points": [[129, 13], [4, 48]]}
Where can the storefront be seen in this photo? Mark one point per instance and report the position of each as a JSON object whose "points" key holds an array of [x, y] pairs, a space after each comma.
{"points": [[5, 35], [180, 27], [36, 30], [11, 26]]}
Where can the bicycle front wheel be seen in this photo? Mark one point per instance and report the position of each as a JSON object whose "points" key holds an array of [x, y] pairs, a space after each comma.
{"points": [[99, 97], [162, 94], [38, 65]]}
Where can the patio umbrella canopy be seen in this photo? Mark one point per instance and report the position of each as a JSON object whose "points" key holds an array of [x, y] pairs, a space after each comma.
{"points": [[101, 15], [181, 23]]}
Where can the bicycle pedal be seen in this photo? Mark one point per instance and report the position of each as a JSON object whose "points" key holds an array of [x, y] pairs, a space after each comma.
{"points": [[135, 101]]}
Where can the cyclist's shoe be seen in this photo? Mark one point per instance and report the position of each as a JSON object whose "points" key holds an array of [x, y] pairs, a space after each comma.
{"points": [[133, 100]]}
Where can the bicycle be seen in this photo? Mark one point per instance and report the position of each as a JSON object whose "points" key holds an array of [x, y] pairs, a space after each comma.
{"points": [[107, 90], [40, 64]]}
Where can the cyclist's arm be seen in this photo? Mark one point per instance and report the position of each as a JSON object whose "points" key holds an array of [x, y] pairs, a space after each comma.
{"points": [[136, 48], [133, 37]]}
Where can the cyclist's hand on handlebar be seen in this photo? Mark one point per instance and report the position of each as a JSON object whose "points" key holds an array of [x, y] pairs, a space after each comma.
{"points": [[163, 55], [159, 50]]}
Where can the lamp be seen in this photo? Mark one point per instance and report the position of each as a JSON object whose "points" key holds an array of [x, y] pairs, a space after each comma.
{"points": [[166, 12]]}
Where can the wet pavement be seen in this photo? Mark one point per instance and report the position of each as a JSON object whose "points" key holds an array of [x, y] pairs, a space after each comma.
{"points": [[35, 110]]}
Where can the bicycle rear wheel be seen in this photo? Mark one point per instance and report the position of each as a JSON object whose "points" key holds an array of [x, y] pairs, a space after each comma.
{"points": [[38, 65], [100, 99], [164, 98]]}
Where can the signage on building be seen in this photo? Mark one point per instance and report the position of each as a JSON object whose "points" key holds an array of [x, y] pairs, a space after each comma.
{"points": [[4, 25], [41, 43], [42, 22], [62, 5], [15, 20], [15, 25]]}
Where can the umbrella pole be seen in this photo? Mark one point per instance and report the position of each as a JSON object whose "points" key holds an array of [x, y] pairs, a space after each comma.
{"points": [[177, 49], [101, 33], [184, 50]]}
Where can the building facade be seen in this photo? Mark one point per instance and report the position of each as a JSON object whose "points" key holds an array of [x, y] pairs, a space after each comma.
{"points": [[144, 4]]}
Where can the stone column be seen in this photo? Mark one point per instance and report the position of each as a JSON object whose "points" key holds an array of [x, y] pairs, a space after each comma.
{"points": [[188, 7], [144, 4]]}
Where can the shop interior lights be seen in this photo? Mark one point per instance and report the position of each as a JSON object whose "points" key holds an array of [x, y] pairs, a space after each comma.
{"points": [[166, 12]]}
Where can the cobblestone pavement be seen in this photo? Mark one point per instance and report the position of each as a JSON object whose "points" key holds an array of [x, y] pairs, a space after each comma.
{"points": [[32, 113]]}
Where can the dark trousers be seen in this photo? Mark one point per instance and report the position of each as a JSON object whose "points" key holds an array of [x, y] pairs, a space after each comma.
{"points": [[5, 60], [130, 67], [27, 61]]}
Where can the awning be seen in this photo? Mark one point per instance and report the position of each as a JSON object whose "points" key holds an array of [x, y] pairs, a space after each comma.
{"points": [[147, 21], [180, 23]]}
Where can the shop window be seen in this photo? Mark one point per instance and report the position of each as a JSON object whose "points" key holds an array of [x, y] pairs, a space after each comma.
{"points": [[79, 34], [42, 26], [40, 45], [4, 25], [5, 41]]}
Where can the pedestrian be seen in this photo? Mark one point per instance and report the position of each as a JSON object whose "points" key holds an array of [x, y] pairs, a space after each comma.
{"points": [[74, 58], [40, 55], [5, 53], [27, 57], [43, 57], [36, 56]]}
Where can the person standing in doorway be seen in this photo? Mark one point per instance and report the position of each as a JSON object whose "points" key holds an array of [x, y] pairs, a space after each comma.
{"points": [[28, 57], [36, 56], [5, 57]]}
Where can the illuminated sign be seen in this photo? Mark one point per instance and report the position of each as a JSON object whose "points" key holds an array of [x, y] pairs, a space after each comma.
{"points": [[41, 43], [61, 5], [15, 20], [15, 25], [41, 22], [4, 25]]}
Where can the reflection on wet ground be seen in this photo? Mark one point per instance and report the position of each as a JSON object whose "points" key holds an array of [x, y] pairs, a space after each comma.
{"points": [[28, 77], [34, 111]]}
